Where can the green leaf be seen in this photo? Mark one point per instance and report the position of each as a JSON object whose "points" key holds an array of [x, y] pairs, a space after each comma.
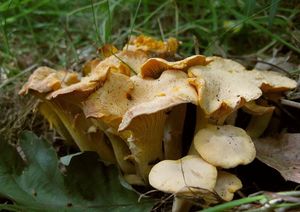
{"points": [[39, 185]]}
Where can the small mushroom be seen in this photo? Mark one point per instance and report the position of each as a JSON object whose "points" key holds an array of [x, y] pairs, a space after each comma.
{"points": [[224, 146], [152, 46], [227, 184], [185, 176]]}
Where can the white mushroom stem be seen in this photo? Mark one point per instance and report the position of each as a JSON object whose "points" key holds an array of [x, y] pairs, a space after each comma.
{"points": [[173, 132]]}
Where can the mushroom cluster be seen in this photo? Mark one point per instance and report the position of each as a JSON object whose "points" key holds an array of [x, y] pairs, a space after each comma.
{"points": [[130, 107]]}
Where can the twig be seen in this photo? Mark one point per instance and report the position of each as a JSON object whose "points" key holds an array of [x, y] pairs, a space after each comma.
{"points": [[290, 103]]}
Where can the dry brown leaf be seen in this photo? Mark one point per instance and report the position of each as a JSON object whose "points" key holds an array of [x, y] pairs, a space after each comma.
{"points": [[281, 153]]}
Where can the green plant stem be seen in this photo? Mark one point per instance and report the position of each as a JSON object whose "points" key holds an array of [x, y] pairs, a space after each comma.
{"points": [[235, 203]]}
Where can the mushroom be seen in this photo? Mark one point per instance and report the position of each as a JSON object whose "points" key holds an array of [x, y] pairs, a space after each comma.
{"points": [[153, 67], [227, 184], [185, 176], [90, 66], [123, 62], [45, 80], [108, 50], [42, 83], [55, 122], [139, 115], [224, 146], [224, 86], [270, 81], [189, 176], [152, 46]]}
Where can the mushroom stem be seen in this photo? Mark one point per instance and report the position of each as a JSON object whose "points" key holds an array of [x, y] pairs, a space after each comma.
{"points": [[201, 120], [173, 132], [122, 152], [119, 146], [258, 124], [260, 119], [55, 122], [78, 127], [181, 205], [145, 141]]}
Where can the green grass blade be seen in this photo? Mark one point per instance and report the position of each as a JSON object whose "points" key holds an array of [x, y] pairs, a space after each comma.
{"points": [[134, 18], [272, 11]]}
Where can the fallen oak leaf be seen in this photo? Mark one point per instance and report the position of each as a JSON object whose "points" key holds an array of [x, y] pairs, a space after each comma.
{"points": [[281, 153]]}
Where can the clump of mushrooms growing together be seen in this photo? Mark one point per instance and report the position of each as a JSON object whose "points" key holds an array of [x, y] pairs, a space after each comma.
{"points": [[130, 107]]}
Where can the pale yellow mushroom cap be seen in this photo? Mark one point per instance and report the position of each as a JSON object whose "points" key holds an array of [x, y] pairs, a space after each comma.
{"points": [[153, 67], [152, 46], [45, 80], [224, 85], [270, 81], [224, 146], [227, 184], [123, 97], [123, 62], [183, 176]]}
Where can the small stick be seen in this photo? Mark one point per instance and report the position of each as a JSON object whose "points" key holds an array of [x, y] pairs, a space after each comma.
{"points": [[290, 103]]}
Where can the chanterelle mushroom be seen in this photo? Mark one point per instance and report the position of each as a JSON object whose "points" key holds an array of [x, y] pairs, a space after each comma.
{"points": [[153, 47], [224, 85], [140, 109], [42, 83], [123, 62], [45, 80], [185, 176], [227, 184], [224, 146]]}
